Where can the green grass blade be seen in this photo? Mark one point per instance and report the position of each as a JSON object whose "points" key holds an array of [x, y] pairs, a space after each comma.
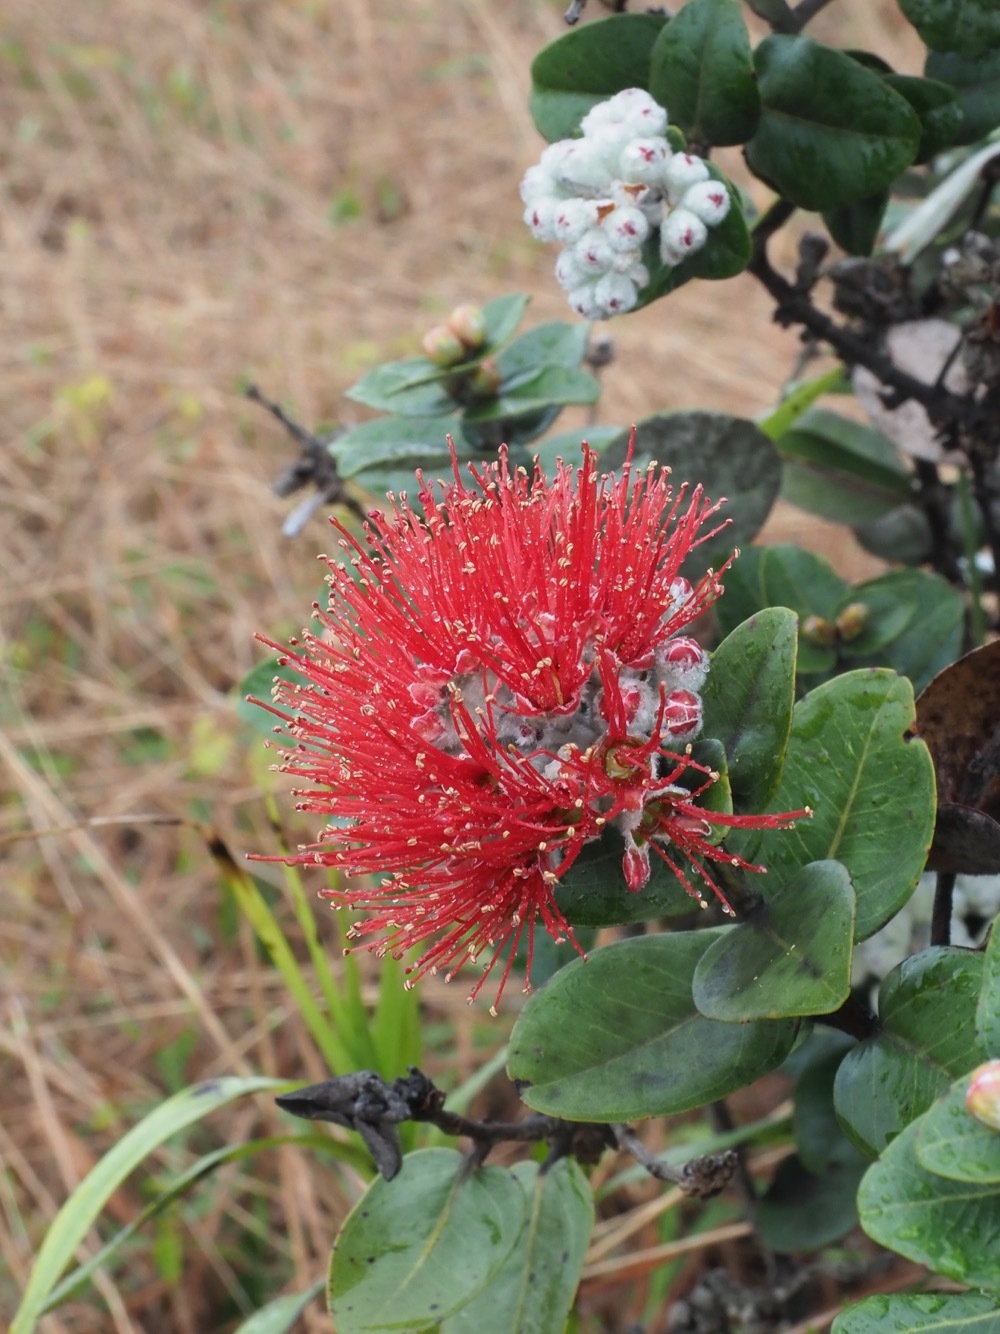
{"points": [[197, 1172], [77, 1215]]}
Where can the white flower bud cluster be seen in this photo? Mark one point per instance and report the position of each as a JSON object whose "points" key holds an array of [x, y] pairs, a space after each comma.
{"points": [[602, 196]]}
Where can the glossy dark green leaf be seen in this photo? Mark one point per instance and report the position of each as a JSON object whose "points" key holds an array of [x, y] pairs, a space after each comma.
{"points": [[831, 131], [726, 251], [855, 226], [922, 1313], [840, 470], [748, 701], [819, 1138], [416, 1249], [927, 1037], [727, 455], [951, 1226], [535, 1287], [789, 956], [965, 26], [870, 787], [988, 1005], [549, 386], [902, 535], [976, 81], [939, 110], [588, 65], [702, 72], [802, 1211], [556, 343], [891, 602], [394, 441], [618, 1037], [952, 1143]]}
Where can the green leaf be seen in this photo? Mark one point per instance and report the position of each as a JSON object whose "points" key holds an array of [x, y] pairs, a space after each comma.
{"points": [[902, 535], [702, 72], [413, 442], [566, 445], [831, 131], [547, 387], [952, 1143], [748, 701], [501, 316], [930, 1312], [802, 1211], [988, 1005], [965, 26], [951, 1226], [927, 1037], [412, 387], [726, 455], [976, 80], [587, 66], [841, 470], [554, 344], [618, 1037], [790, 956], [819, 1138], [871, 790], [726, 251], [855, 226], [534, 1289], [75, 1219], [282, 1314], [416, 1249], [939, 110]]}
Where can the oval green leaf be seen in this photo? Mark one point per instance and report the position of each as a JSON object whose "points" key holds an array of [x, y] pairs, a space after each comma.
{"points": [[965, 26], [618, 1037], [927, 1037], [702, 72], [988, 1005], [951, 1226], [535, 1287], [952, 1143], [930, 1312], [831, 131], [871, 790], [790, 956], [976, 81], [802, 1211], [416, 1249], [748, 701], [587, 66], [281, 1315]]}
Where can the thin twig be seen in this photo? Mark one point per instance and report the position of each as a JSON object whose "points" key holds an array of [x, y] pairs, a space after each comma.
{"points": [[944, 890]]}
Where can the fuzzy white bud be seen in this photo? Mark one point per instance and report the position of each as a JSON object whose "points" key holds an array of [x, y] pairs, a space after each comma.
{"points": [[574, 218], [681, 235], [708, 200], [644, 161], [626, 228], [615, 293], [681, 172], [593, 252]]}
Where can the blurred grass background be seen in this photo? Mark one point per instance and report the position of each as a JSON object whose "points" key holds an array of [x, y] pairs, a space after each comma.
{"points": [[193, 194]]}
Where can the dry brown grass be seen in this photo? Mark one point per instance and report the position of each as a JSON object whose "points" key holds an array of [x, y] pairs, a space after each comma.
{"points": [[167, 186]]}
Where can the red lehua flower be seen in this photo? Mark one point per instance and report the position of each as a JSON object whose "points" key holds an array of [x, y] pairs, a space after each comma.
{"points": [[498, 682]]}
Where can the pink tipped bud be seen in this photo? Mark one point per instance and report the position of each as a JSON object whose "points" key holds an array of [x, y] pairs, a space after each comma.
{"points": [[593, 252], [644, 160], [573, 218], [468, 324], [635, 865], [681, 172], [682, 713], [681, 235], [626, 228], [983, 1097], [540, 217], [442, 346], [683, 652], [708, 200], [615, 293]]}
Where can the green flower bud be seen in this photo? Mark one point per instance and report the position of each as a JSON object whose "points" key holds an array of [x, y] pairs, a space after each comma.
{"points": [[485, 379], [819, 631], [468, 324], [852, 620], [443, 346]]}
